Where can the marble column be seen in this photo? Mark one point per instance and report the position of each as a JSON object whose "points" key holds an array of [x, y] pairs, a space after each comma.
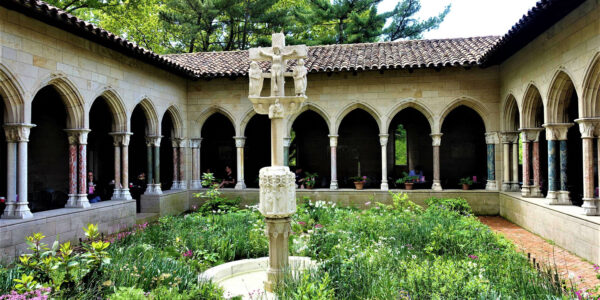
{"points": [[125, 194], [587, 127], [17, 136], [182, 179], [286, 150], [153, 156], [333, 141], [514, 186], [525, 188], [117, 167], [383, 140], [240, 142], [556, 134], [77, 168], [175, 142], [157, 187], [436, 142], [149, 166], [491, 139], [196, 172], [536, 190], [531, 162]]}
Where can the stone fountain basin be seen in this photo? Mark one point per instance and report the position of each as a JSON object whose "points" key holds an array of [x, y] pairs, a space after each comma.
{"points": [[246, 277]]}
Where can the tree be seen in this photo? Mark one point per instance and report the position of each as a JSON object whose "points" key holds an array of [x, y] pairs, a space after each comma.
{"points": [[404, 25], [77, 6]]}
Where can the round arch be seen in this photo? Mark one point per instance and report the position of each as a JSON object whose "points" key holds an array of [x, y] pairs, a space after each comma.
{"points": [[207, 113], [409, 103], [468, 102], [117, 107], [312, 107], [510, 114], [357, 105], [560, 93], [531, 105], [12, 94], [175, 114], [589, 105], [152, 126], [70, 96]]}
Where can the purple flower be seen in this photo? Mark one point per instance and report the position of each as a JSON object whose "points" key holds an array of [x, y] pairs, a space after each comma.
{"points": [[318, 226], [368, 203], [302, 223], [188, 253], [471, 256]]}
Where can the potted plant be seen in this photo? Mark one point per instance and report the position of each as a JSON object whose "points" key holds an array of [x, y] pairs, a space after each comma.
{"points": [[359, 181], [310, 180], [408, 180], [466, 182]]}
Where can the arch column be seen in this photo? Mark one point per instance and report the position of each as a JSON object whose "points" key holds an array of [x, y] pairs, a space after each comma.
{"points": [[77, 168], [182, 154], [333, 142], [286, 151], [530, 141], [153, 156], [491, 139], [588, 128], [514, 186], [508, 139], [175, 143], [17, 137], [196, 183], [556, 134], [240, 142], [383, 140], [436, 143], [121, 168]]}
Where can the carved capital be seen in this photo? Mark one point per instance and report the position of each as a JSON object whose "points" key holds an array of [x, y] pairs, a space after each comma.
{"points": [[509, 137], [491, 138], [436, 139], [277, 227], [557, 131], [588, 127], [153, 140], [77, 136], [17, 132], [177, 142], [531, 134], [121, 138], [333, 140], [287, 141], [277, 192], [195, 143], [383, 139], [240, 141]]}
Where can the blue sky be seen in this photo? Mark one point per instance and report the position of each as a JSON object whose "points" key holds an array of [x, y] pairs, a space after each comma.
{"points": [[470, 17]]}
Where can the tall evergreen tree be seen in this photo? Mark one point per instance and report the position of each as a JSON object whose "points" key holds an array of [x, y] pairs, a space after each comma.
{"points": [[404, 25]]}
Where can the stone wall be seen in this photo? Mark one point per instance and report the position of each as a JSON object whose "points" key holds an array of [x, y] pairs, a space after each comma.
{"points": [[169, 203]]}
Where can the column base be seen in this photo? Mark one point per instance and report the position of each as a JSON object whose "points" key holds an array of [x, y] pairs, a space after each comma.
{"points": [[506, 186], [278, 231], [125, 195], [514, 187], [525, 191], [153, 189], [22, 211], [183, 185], [116, 194], [564, 198], [535, 192], [196, 185], [78, 201], [240, 185], [589, 207], [491, 185], [436, 186], [333, 185], [9, 211], [552, 198], [175, 185], [384, 186]]}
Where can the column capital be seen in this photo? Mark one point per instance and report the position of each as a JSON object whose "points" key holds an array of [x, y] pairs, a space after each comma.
{"points": [[509, 137], [121, 138], [531, 134], [383, 139], [240, 141], [588, 127], [557, 131], [17, 132], [333, 140], [77, 136], [491, 138], [436, 139], [195, 142], [153, 140], [178, 142], [287, 141]]}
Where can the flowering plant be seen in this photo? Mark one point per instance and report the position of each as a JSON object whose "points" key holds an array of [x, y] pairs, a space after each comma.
{"points": [[362, 179]]}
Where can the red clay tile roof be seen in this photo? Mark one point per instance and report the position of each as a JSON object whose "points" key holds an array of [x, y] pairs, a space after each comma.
{"points": [[353, 57]]}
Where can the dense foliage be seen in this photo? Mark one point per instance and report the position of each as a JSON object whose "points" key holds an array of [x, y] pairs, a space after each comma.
{"points": [[174, 26]]}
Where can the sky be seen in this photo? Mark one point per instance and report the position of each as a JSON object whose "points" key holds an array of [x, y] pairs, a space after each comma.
{"points": [[470, 17]]}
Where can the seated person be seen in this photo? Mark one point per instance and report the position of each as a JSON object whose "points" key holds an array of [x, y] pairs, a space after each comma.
{"points": [[299, 178], [229, 180], [418, 171], [93, 195]]}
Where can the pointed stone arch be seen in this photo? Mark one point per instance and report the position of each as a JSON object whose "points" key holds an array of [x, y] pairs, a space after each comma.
{"points": [[70, 96], [358, 105], [313, 107], [409, 103], [560, 93], [152, 124], [207, 113], [590, 101], [175, 114], [510, 117], [12, 94], [531, 104], [244, 122], [468, 102], [117, 107]]}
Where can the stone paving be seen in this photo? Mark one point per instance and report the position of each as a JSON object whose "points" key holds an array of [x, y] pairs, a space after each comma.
{"points": [[544, 252]]}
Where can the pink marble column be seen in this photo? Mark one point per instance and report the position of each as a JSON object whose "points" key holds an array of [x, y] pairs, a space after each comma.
{"points": [[117, 169], [436, 143], [72, 171], [82, 174], [125, 194], [182, 182], [525, 188], [175, 185], [535, 188]]}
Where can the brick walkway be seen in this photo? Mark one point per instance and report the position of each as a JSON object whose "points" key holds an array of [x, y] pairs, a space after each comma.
{"points": [[542, 251]]}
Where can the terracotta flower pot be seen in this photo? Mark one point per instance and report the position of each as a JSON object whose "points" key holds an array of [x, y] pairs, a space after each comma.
{"points": [[359, 185], [465, 186], [408, 185]]}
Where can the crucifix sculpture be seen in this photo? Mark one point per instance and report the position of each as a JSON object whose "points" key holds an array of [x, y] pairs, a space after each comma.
{"points": [[277, 183]]}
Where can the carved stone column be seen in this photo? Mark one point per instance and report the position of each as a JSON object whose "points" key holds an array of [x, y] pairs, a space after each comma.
{"points": [[125, 194], [286, 150], [530, 140], [491, 139], [77, 168], [175, 143], [383, 140], [17, 137], [117, 167], [157, 187], [153, 155], [557, 188], [525, 191], [588, 127], [515, 165], [196, 172], [333, 141], [436, 143], [181, 168], [240, 142], [149, 166]]}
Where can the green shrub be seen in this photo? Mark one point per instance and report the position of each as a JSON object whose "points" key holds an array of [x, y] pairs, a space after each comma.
{"points": [[459, 205]]}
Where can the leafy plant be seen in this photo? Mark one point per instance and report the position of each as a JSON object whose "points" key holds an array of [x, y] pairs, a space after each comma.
{"points": [[310, 179], [458, 205], [467, 180], [214, 201], [407, 178], [362, 179]]}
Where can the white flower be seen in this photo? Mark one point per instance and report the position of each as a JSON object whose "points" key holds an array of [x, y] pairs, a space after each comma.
{"points": [[571, 275], [414, 256]]}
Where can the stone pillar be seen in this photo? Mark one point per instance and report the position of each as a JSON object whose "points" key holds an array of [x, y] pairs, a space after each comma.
{"points": [[240, 142], [17, 137], [383, 139], [535, 190], [587, 127], [556, 134], [436, 142], [149, 166], [153, 156], [125, 194], [507, 139], [77, 168], [182, 179], [515, 165], [525, 191], [157, 187], [333, 141], [196, 172], [491, 139], [117, 168], [286, 150], [531, 163], [175, 142]]}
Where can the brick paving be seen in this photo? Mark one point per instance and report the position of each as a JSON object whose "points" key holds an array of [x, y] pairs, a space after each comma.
{"points": [[545, 252]]}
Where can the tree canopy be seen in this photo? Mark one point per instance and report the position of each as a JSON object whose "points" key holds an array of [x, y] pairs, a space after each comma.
{"points": [[176, 26]]}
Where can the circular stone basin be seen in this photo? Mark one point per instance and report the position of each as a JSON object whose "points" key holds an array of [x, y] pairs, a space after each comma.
{"points": [[246, 277]]}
